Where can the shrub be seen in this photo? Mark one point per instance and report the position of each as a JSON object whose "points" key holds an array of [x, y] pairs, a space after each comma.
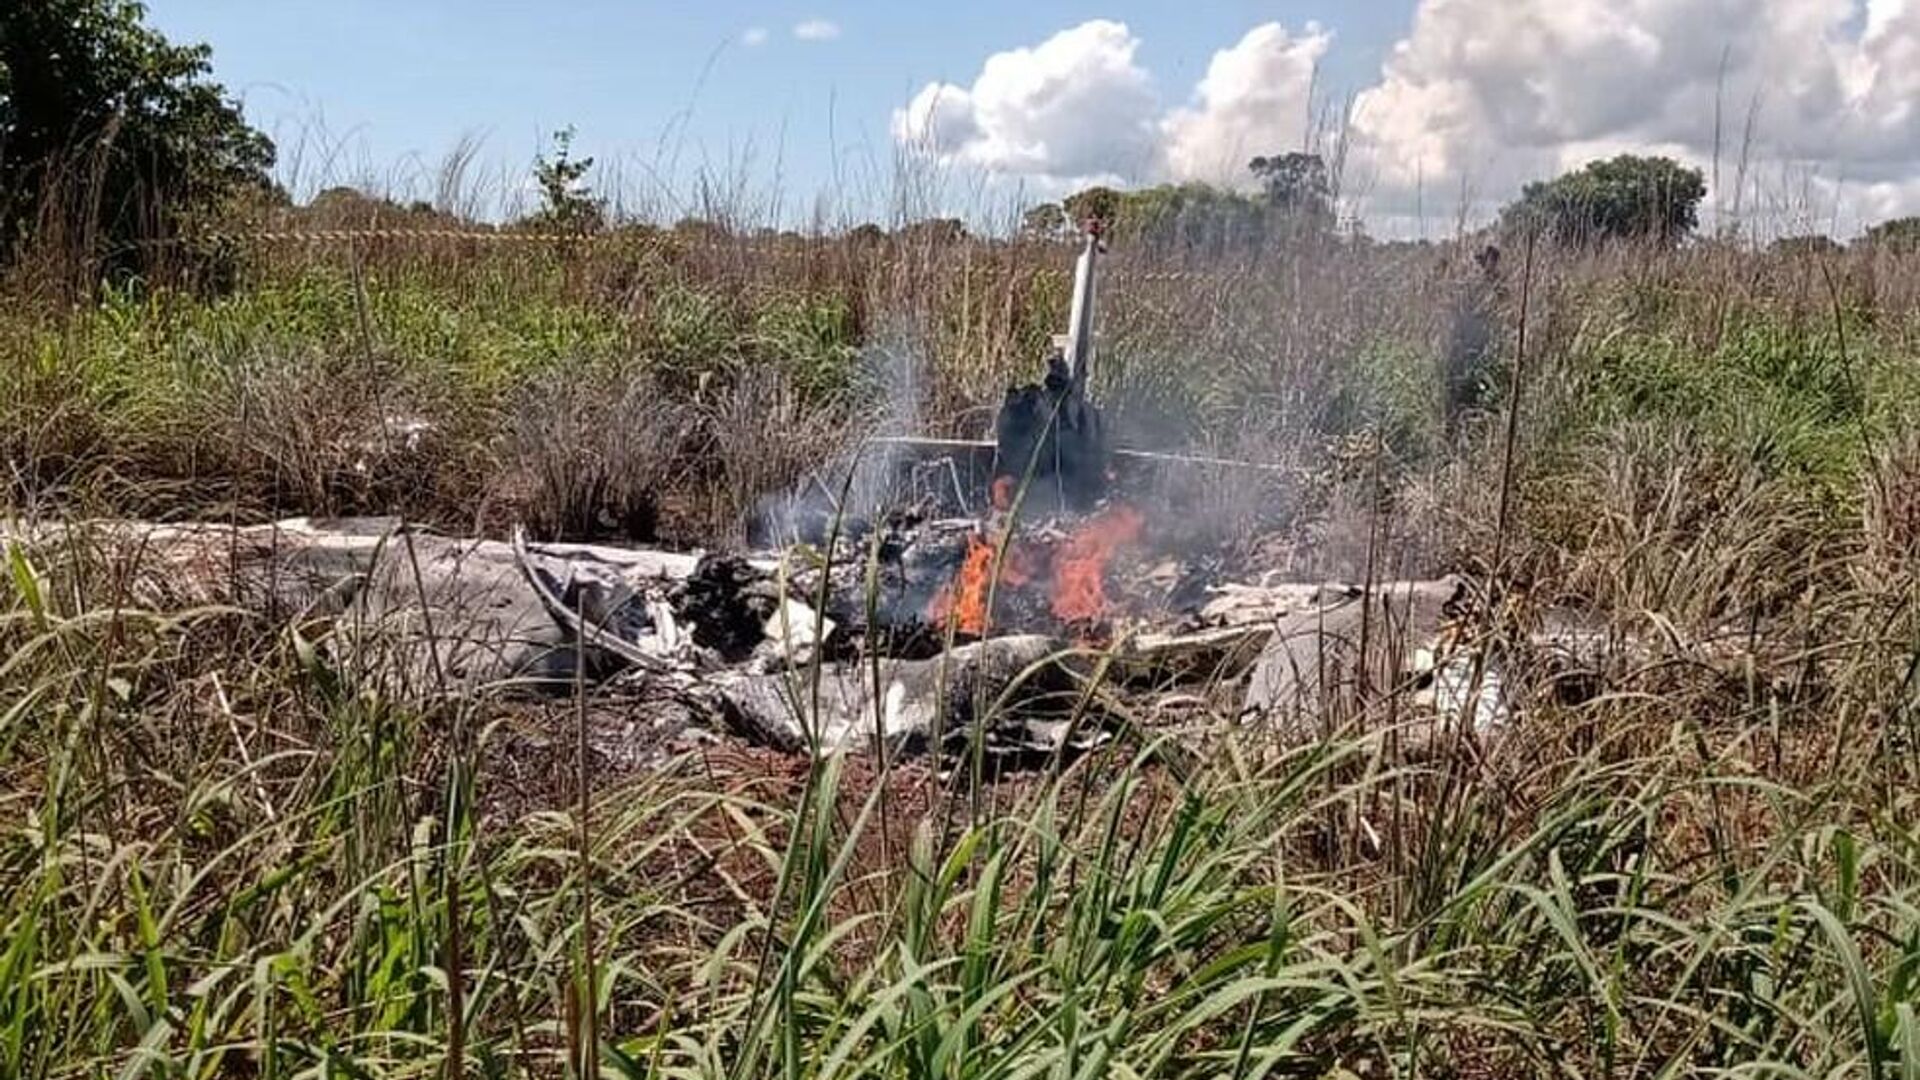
{"points": [[1899, 235], [589, 458], [1623, 198], [113, 135]]}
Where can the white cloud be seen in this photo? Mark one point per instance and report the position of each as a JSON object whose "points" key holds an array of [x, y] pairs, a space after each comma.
{"points": [[816, 30], [1253, 100], [1485, 93], [1821, 98], [1076, 106], [754, 36]]}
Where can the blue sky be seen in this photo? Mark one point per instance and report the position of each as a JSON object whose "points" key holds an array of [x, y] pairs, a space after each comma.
{"points": [[1446, 107], [671, 85]]}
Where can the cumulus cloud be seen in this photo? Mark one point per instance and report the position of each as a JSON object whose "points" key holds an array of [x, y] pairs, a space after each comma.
{"points": [[753, 36], [1076, 106], [1817, 97], [816, 30], [1255, 99], [1488, 92]]}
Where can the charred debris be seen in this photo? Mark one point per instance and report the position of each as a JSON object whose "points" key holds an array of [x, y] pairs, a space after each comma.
{"points": [[1017, 606]]}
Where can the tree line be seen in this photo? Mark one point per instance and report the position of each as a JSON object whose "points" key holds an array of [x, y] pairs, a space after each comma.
{"points": [[113, 137]]}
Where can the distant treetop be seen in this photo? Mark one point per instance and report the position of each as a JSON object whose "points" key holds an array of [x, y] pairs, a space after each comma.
{"points": [[566, 201], [1297, 186], [1623, 198], [1900, 234], [1294, 204], [1808, 244]]}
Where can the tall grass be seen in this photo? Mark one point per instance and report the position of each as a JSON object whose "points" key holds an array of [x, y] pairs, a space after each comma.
{"points": [[223, 853], [284, 395], [228, 858]]}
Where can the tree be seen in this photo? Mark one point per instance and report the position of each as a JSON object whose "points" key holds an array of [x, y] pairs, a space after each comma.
{"points": [[1810, 244], [1195, 219], [934, 231], [344, 207], [566, 202], [1622, 198], [700, 229], [113, 132], [1095, 204], [1899, 234], [1189, 218], [1297, 188], [1047, 221]]}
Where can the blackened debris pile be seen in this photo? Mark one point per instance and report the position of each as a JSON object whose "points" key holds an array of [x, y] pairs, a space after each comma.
{"points": [[1050, 437]]}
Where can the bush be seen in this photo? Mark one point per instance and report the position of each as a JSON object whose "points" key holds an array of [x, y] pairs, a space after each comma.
{"points": [[1898, 235], [113, 135], [1809, 245], [1653, 199], [588, 458]]}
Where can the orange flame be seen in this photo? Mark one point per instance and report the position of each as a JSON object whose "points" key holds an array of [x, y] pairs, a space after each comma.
{"points": [[1076, 591], [1080, 565], [964, 599]]}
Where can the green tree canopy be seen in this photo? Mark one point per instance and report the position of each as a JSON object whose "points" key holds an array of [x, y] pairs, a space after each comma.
{"points": [[1101, 204], [104, 121], [1197, 218], [1621, 198], [1295, 202], [1047, 221], [1297, 187], [1898, 234], [934, 231], [566, 201], [1191, 217], [1806, 244]]}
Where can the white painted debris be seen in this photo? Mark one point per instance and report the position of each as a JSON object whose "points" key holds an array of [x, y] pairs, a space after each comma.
{"points": [[797, 629]]}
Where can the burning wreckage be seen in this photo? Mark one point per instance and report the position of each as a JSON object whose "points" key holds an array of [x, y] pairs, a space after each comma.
{"points": [[1042, 622]]}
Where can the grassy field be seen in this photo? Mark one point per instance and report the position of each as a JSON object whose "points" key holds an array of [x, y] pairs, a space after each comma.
{"points": [[222, 856]]}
